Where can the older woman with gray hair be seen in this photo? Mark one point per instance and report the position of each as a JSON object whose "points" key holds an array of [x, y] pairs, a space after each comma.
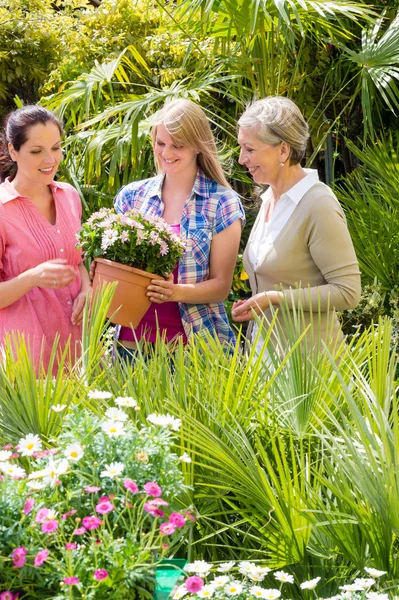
{"points": [[299, 252]]}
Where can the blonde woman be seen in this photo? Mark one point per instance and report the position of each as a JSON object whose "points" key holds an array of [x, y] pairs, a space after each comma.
{"points": [[192, 194], [299, 250]]}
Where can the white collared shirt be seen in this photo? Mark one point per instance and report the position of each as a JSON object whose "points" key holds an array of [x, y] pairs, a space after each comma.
{"points": [[264, 233]]}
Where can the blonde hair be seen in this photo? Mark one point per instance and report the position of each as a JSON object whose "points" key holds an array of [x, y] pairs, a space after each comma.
{"points": [[276, 119], [187, 125]]}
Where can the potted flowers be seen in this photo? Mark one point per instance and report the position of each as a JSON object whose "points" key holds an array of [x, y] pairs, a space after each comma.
{"points": [[131, 249], [91, 517]]}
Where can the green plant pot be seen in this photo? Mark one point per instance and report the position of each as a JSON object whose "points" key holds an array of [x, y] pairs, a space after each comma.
{"points": [[167, 575]]}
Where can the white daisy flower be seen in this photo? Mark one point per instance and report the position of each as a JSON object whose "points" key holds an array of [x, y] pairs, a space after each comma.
{"points": [[126, 401], [5, 455], [256, 591], [58, 407], [271, 594], [206, 592], [258, 573], [99, 395], [12, 470], [284, 577], [234, 588], [220, 581], [166, 421], [36, 485], [375, 573], [108, 238], [245, 567], [113, 428], [199, 567], [364, 583], [180, 592], [185, 458], [224, 567], [113, 470], [376, 596], [54, 470], [30, 444], [351, 587], [116, 414], [311, 584], [74, 452]]}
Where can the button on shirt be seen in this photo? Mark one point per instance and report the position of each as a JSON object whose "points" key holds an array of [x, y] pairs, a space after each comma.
{"points": [[28, 239], [210, 208]]}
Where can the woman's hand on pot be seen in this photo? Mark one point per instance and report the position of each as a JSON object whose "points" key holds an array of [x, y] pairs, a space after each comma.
{"points": [[92, 269], [79, 305], [245, 310], [163, 290]]}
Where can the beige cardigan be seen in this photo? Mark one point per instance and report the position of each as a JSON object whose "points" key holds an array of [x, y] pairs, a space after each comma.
{"points": [[314, 258]]}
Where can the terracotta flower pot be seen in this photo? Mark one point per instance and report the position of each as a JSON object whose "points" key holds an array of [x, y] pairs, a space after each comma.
{"points": [[130, 294]]}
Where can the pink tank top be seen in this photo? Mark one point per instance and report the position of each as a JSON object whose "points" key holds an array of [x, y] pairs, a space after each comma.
{"points": [[166, 315]]}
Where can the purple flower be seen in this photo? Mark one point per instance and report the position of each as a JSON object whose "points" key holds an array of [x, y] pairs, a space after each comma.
{"points": [[68, 514], [153, 510], [19, 556], [7, 595], [104, 507], [41, 515], [79, 531], [131, 486], [29, 504], [49, 526], [167, 528], [194, 584], [91, 489], [177, 520], [100, 574], [91, 522], [70, 546], [152, 489], [40, 557], [71, 580]]}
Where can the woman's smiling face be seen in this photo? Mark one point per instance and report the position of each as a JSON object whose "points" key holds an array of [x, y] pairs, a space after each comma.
{"points": [[38, 158], [262, 160], [172, 157]]}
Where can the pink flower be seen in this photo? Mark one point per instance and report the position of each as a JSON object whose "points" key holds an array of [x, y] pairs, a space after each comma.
{"points": [[104, 499], [19, 556], [177, 520], [91, 522], [70, 546], [8, 447], [14, 455], [194, 584], [91, 489], [104, 507], [153, 510], [100, 574], [159, 502], [29, 504], [79, 531], [131, 486], [68, 514], [152, 489], [40, 557], [41, 515], [7, 595], [71, 580], [167, 528], [49, 526], [189, 515]]}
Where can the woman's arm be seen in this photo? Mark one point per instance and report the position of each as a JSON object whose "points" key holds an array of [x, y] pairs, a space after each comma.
{"points": [[51, 274], [223, 256], [80, 300], [332, 251]]}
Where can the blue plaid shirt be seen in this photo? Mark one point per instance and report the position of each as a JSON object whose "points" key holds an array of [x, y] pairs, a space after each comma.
{"points": [[209, 210]]}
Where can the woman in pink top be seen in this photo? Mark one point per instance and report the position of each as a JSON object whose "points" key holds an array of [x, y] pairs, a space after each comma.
{"points": [[43, 282]]}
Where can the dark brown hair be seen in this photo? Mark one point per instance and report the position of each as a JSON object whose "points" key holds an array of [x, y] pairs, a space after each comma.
{"points": [[16, 127]]}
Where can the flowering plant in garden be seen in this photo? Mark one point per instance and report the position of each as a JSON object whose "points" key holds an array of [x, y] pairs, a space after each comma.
{"points": [[248, 580], [144, 242], [92, 516]]}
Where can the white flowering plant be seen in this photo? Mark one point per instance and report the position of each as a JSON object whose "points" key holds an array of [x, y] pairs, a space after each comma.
{"points": [[247, 580], [91, 516], [143, 242]]}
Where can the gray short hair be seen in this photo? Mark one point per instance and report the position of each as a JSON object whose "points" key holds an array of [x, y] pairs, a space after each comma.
{"points": [[277, 119]]}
